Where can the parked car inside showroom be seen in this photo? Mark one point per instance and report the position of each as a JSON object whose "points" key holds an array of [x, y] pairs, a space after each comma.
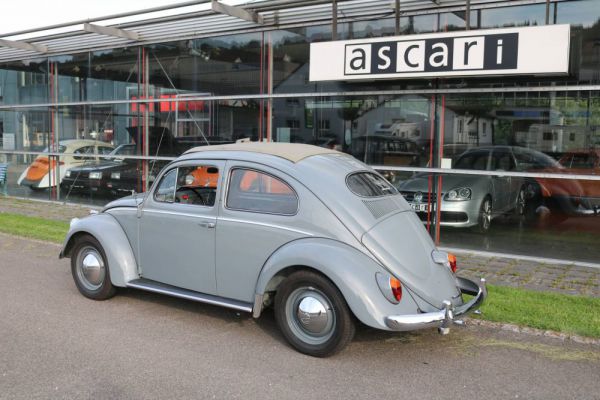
{"points": [[471, 200], [117, 175], [313, 232], [38, 174]]}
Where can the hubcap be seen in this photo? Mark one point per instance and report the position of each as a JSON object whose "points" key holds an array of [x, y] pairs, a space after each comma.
{"points": [[90, 268], [310, 315], [521, 202], [487, 214]]}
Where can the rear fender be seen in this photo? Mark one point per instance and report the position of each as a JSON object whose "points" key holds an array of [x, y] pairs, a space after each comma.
{"points": [[352, 271], [105, 228]]}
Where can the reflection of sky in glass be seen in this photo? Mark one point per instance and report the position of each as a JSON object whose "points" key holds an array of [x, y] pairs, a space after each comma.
{"points": [[584, 13], [513, 16]]}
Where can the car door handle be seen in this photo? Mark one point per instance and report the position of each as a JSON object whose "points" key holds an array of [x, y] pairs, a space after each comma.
{"points": [[206, 224]]}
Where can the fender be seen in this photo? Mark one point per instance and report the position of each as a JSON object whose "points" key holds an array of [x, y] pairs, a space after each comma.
{"points": [[105, 228], [352, 271]]}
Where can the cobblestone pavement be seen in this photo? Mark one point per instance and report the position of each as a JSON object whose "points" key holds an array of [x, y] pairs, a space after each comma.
{"points": [[528, 274]]}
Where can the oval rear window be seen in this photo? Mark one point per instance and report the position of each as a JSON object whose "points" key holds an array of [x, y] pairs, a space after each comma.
{"points": [[368, 184]]}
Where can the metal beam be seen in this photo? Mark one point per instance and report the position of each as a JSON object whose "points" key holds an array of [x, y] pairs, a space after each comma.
{"points": [[397, 17], [334, 13], [110, 31], [237, 12], [23, 46]]}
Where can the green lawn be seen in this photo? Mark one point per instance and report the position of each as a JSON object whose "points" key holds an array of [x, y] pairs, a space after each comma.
{"points": [[543, 310], [33, 227]]}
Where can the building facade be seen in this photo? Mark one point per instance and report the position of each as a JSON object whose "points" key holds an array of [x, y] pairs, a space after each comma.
{"points": [[498, 163]]}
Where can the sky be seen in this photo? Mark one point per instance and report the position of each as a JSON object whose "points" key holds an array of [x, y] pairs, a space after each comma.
{"points": [[19, 15]]}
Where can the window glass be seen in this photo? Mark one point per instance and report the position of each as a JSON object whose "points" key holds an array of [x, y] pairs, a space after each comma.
{"points": [[83, 150], [368, 184], [473, 160], [197, 185], [165, 192], [251, 190]]}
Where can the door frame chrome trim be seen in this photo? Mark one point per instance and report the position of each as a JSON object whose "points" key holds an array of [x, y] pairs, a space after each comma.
{"points": [[265, 224], [182, 214]]}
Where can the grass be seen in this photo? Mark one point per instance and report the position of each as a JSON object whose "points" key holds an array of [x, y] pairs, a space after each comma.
{"points": [[33, 227], [543, 310]]}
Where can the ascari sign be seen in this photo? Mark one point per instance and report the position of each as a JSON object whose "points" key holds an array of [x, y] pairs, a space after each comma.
{"points": [[535, 50]]}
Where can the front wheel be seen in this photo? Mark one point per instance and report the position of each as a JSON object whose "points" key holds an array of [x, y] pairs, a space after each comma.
{"points": [[90, 269], [313, 315], [484, 220]]}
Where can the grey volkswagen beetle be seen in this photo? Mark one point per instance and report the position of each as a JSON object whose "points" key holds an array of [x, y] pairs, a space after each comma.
{"points": [[318, 235]]}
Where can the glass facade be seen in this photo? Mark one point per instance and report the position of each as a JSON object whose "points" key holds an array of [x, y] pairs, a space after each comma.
{"points": [[92, 126]]}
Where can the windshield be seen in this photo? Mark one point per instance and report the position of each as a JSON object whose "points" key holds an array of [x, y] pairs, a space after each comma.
{"points": [[368, 184], [122, 150]]}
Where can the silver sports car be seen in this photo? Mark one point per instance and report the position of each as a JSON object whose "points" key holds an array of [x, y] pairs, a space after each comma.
{"points": [[472, 200]]}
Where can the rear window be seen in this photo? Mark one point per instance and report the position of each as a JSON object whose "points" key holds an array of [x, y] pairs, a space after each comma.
{"points": [[368, 184]]}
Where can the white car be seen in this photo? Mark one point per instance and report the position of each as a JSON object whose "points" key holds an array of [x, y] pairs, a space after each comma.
{"points": [[38, 176]]}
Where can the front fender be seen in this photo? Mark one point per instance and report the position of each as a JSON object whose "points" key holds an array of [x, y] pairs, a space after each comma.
{"points": [[105, 228], [352, 271]]}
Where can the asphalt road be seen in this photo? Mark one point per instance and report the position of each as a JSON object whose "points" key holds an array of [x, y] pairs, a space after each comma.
{"points": [[54, 343]]}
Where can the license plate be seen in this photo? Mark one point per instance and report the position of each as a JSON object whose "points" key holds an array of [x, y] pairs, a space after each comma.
{"points": [[419, 207]]}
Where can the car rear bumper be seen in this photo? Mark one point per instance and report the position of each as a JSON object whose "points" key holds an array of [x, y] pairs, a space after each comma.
{"points": [[444, 318]]}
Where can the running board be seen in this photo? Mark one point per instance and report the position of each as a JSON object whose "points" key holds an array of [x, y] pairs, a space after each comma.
{"points": [[157, 287]]}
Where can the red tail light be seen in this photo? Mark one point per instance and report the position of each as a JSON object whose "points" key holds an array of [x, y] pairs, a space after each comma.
{"points": [[452, 261], [396, 287]]}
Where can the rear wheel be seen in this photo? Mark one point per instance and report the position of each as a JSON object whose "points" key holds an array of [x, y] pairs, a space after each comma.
{"points": [[313, 315], [90, 269]]}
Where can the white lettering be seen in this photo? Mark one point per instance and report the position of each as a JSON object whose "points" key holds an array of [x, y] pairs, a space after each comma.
{"points": [[499, 52], [384, 57], [441, 55]]}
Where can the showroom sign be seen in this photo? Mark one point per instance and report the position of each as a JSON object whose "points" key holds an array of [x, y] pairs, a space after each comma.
{"points": [[511, 51]]}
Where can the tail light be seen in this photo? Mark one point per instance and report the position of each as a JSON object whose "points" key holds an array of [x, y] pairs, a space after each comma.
{"points": [[390, 287], [447, 259], [396, 288], [452, 261]]}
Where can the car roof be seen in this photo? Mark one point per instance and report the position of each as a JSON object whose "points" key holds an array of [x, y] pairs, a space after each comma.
{"points": [[293, 152], [83, 142]]}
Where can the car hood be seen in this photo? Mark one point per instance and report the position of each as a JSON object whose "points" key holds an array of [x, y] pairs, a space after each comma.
{"points": [[404, 247], [420, 182], [127, 201]]}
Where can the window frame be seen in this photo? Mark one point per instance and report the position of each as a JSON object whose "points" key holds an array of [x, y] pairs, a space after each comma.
{"points": [[178, 167], [285, 182], [159, 182], [370, 197]]}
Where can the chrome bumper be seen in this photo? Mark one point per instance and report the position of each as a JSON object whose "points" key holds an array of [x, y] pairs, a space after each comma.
{"points": [[444, 318]]}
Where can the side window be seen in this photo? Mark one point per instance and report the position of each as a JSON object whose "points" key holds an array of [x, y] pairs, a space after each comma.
{"points": [[251, 190], [83, 150], [104, 149], [197, 185], [165, 192]]}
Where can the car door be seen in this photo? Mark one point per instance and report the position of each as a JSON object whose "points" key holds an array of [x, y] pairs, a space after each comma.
{"points": [[259, 214], [177, 227]]}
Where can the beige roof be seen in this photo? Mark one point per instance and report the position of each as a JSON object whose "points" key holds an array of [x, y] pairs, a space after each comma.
{"points": [[293, 152]]}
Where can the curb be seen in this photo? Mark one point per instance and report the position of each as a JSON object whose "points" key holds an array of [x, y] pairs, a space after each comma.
{"points": [[534, 332]]}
